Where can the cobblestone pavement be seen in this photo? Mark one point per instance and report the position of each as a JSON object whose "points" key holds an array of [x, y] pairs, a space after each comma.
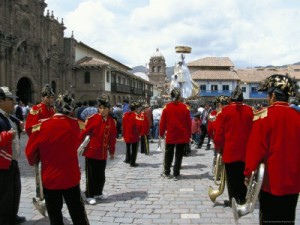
{"points": [[141, 196]]}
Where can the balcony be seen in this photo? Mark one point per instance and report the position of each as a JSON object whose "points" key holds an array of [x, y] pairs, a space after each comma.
{"points": [[256, 94], [121, 88], [209, 93]]}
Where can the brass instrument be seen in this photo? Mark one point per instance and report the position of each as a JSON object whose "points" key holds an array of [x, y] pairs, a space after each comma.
{"points": [[159, 147], [254, 187], [82, 148], [39, 201], [219, 179]]}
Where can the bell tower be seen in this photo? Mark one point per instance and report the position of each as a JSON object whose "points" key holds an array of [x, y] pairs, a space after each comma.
{"points": [[157, 70]]}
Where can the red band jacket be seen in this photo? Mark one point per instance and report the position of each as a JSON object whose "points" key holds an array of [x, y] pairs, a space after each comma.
{"points": [[144, 123], [232, 131], [131, 127], [37, 113], [54, 142], [103, 134], [274, 140], [176, 123], [210, 124]]}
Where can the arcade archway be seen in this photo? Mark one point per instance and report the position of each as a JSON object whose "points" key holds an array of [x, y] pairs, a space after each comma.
{"points": [[24, 90]]}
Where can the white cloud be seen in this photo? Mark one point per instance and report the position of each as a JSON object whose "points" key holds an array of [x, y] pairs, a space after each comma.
{"points": [[251, 33]]}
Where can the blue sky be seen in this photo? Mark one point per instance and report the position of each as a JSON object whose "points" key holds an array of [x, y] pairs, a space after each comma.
{"points": [[252, 33]]}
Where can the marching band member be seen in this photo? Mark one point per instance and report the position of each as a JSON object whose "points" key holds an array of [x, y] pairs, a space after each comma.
{"points": [[221, 101], [54, 142], [10, 188], [175, 123], [101, 128], [131, 133], [274, 140], [232, 131], [144, 131], [42, 110]]}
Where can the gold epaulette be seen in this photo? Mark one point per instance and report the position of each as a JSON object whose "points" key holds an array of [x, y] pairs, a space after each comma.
{"points": [[35, 112], [36, 127], [260, 114], [81, 124], [219, 111]]}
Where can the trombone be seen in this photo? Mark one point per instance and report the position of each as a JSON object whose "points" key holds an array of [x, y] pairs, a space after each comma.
{"points": [[253, 187], [39, 201], [219, 179]]}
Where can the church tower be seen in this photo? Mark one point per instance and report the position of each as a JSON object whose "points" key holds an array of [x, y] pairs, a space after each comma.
{"points": [[157, 70]]}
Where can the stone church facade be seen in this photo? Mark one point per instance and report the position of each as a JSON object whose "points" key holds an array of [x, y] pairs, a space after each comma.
{"points": [[34, 52]]}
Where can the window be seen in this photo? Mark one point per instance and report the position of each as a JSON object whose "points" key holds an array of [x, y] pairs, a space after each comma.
{"points": [[158, 68], [225, 87], [244, 89], [119, 80], [153, 68], [214, 87], [87, 78], [253, 89], [107, 77], [203, 87]]}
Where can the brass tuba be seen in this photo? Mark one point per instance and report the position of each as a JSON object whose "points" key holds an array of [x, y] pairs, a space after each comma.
{"points": [[82, 148], [39, 201], [254, 187], [219, 178]]}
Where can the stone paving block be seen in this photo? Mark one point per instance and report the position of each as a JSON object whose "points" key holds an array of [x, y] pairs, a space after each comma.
{"points": [[141, 196]]}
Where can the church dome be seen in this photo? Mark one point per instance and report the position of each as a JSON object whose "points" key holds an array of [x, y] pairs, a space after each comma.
{"points": [[157, 54]]}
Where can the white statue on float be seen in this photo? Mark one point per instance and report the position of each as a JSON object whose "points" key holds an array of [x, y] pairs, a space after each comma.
{"points": [[182, 77]]}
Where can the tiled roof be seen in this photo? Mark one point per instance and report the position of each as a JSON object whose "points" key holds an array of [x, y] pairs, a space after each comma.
{"points": [[255, 76], [294, 67], [212, 61], [90, 62], [214, 75]]}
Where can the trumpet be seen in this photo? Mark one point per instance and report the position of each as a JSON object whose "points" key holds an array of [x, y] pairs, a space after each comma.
{"points": [[219, 179], [39, 201], [82, 148], [253, 190]]}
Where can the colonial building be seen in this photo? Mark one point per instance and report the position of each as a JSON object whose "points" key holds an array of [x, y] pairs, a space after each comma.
{"points": [[34, 52], [216, 76], [31, 48]]}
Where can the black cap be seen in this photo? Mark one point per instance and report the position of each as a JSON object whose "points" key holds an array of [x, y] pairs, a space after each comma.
{"points": [[47, 91], [64, 104], [134, 105], [237, 94], [175, 94]]}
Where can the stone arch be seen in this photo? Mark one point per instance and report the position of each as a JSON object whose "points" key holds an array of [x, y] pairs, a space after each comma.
{"points": [[24, 90]]}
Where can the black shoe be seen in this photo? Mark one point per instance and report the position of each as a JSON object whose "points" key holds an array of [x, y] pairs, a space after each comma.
{"points": [[134, 165], [165, 175], [20, 219], [227, 203], [125, 161], [207, 147]]}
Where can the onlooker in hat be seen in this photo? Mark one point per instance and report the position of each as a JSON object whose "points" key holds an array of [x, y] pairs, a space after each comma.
{"points": [[10, 188], [175, 123], [102, 131], [54, 142], [274, 140], [42, 110], [232, 131], [157, 111], [131, 133]]}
